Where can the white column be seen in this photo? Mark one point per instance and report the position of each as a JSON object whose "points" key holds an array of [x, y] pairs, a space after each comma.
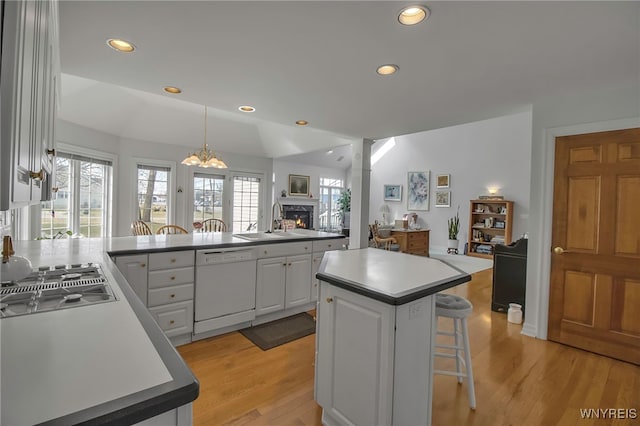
{"points": [[360, 184]]}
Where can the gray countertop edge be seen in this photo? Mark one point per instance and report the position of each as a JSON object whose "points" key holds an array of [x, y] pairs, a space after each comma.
{"points": [[359, 288], [218, 245], [130, 409]]}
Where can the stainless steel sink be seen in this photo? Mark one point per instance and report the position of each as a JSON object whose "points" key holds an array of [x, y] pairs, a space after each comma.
{"points": [[257, 236]]}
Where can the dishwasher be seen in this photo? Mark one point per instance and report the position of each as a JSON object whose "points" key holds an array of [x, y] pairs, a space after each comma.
{"points": [[225, 289]]}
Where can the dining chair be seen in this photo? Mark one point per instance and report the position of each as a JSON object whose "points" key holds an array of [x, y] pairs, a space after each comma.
{"points": [[213, 225], [171, 229], [139, 227], [387, 243]]}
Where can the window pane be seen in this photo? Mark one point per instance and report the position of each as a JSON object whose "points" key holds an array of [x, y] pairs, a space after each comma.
{"points": [[246, 199], [55, 213], [153, 184], [330, 190], [207, 197], [81, 203]]}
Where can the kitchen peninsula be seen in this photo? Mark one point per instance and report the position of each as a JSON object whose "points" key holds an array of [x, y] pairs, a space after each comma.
{"points": [[375, 335], [111, 362]]}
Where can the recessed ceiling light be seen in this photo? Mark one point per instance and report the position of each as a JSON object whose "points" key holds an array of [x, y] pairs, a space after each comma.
{"points": [[173, 90], [330, 152], [246, 108], [121, 45], [302, 122], [413, 15], [387, 69]]}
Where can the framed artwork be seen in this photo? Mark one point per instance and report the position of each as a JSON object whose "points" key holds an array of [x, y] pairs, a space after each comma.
{"points": [[418, 190], [393, 192], [443, 198], [298, 185], [442, 181]]}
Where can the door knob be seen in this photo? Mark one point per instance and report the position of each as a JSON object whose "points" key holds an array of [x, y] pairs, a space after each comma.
{"points": [[329, 299], [559, 250]]}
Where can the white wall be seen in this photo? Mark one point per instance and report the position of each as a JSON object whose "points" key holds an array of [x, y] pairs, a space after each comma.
{"points": [[489, 153], [129, 150], [283, 169]]}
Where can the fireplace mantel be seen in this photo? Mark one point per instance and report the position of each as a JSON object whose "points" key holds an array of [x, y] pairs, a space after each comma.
{"points": [[298, 201]]}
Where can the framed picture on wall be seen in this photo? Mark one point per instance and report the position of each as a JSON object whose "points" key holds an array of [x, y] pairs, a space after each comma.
{"points": [[393, 192], [442, 181], [418, 190], [443, 198], [298, 185]]}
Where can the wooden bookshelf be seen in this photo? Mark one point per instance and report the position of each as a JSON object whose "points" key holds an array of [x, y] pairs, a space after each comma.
{"points": [[490, 223]]}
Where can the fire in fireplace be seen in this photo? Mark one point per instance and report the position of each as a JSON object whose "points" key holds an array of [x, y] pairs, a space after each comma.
{"points": [[302, 215]]}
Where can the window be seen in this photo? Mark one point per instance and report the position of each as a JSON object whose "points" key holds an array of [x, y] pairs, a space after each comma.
{"points": [[329, 213], [246, 203], [153, 190], [207, 197], [82, 202]]}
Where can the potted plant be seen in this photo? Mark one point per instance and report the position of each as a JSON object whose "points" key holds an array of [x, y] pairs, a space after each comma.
{"points": [[454, 228], [344, 204]]}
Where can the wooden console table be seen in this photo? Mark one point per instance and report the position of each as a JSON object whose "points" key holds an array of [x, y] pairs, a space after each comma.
{"points": [[412, 241]]}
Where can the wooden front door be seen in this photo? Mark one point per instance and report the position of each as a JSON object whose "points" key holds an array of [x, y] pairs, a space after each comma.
{"points": [[595, 269]]}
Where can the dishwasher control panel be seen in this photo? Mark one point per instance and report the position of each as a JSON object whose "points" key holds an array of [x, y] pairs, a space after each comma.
{"points": [[212, 257]]}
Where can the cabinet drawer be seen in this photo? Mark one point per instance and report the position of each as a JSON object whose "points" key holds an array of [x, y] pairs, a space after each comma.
{"points": [[285, 249], [417, 244], [162, 296], [326, 245], [416, 236], [170, 277], [174, 319], [172, 259]]}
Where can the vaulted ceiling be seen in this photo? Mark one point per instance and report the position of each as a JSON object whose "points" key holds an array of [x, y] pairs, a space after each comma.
{"points": [[316, 60]]}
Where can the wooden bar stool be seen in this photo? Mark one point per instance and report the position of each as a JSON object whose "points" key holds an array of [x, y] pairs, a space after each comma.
{"points": [[458, 309]]}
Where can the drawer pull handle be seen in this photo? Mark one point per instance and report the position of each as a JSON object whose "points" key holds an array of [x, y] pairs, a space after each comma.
{"points": [[284, 264], [173, 295], [143, 265], [265, 252], [172, 322], [329, 245], [173, 261], [329, 299], [51, 152], [290, 263], [306, 248], [173, 278]]}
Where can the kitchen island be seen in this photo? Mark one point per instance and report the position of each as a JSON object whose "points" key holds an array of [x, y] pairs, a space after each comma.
{"points": [[108, 362], [375, 336]]}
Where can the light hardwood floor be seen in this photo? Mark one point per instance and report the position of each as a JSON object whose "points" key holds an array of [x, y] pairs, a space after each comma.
{"points": [[519, 380]]}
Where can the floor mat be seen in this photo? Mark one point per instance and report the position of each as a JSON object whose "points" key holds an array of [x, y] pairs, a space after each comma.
{"points": [[278, 332]]}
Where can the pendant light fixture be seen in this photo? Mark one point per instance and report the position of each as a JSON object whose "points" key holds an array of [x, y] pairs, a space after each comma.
{"points": [[205, 157]]}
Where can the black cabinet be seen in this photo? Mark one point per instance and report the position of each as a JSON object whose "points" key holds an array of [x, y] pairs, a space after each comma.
{"points": [[509, 275]]}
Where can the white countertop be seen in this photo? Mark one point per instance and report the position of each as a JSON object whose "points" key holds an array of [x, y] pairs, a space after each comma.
{"points": [[61, 362], [389, 276]]}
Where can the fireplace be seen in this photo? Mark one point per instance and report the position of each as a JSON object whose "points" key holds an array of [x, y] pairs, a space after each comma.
{"points": [[302, 215]]}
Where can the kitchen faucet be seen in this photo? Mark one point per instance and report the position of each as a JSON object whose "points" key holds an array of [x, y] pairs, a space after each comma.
{"points": [[273, 218]]}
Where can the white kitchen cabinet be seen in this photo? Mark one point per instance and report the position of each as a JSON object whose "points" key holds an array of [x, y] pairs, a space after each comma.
{"points": [[298, 284], [28, 103], [134, 268], [283, 282], [373, 359], [270, 285], [171, 292], [354, 365], [319, 248], [165, 284]]}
